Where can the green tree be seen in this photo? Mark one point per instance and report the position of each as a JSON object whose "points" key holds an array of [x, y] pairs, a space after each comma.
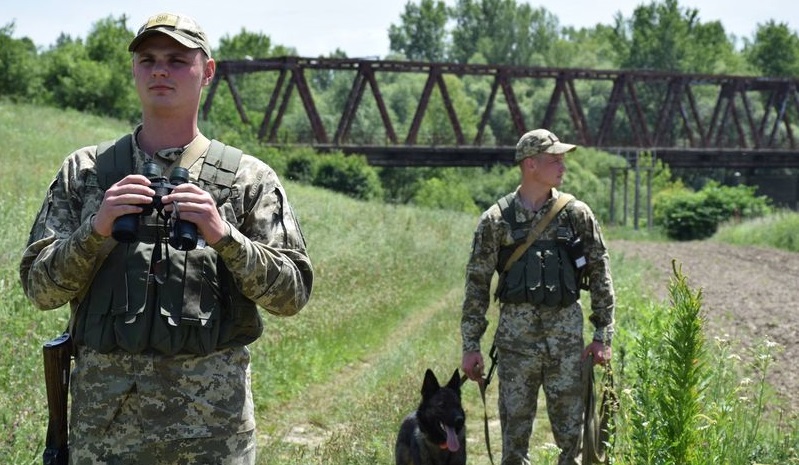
{"points": [[249, 45], [665, 36], [502, 32], [107, 45], [94, 76], [20, 75], [775, 50], [421, 33]]}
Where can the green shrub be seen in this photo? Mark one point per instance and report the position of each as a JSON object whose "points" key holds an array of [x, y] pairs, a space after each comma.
{"points": [[20, 76], [688, 215], [441, 194], [738, 202], [302, 165], [684, 215], [350, 175]]}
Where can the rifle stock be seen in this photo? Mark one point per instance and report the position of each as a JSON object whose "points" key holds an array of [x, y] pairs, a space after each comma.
{"points": [[57, 359]]}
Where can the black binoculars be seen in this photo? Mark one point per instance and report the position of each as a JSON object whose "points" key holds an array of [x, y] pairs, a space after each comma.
{"points": [[182, 234]]}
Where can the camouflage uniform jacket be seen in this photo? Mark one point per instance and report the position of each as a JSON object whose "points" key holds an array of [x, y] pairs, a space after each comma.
{"points": [[493, 232]]}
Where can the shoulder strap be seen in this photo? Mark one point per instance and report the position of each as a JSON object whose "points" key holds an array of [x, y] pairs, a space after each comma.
{"points": [[506, 207], [114, 160], [538, 229]]}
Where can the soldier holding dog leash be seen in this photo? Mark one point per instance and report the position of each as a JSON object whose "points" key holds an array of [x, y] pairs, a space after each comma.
{"points": [[546, 247]]}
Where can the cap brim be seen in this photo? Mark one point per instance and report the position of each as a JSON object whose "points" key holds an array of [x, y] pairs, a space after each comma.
{"points": [[559, 147], [188, 43]]}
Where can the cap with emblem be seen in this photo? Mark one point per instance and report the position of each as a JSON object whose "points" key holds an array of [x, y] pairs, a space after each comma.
{"points": [[183, 29], [539, 141]]}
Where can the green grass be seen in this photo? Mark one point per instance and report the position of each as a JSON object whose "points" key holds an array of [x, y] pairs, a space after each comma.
{"points": [[778, 230], [332, 383]]}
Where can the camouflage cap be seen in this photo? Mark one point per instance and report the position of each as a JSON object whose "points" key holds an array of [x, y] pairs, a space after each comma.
{"points": [[540, 141], [183, 29]]}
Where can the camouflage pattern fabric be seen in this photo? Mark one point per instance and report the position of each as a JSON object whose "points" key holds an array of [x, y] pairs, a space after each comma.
{"points": [[137, 408], [173, 398], [537, 345], [521, 376]]}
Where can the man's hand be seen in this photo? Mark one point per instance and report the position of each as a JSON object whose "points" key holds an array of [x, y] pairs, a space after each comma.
{"points": [[125, 197], [197, 206], [601, 352], [472, 365]]}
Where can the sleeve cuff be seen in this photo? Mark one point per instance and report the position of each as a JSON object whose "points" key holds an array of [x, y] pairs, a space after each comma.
{"points": [[604, 335], [228, 247], [88, 239]]}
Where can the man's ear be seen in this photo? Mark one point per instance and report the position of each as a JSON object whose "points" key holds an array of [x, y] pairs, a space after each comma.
{"points": [[209, 72], [529, 163]]}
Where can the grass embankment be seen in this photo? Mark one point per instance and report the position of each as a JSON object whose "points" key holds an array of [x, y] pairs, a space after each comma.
{"points": [[332, 383]]}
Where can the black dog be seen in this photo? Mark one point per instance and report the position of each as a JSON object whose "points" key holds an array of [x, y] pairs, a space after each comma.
{"points": [[435, 433]]}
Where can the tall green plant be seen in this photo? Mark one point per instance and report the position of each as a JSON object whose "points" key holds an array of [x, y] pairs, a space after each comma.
{"points": [[685, 371], [661, 422]]}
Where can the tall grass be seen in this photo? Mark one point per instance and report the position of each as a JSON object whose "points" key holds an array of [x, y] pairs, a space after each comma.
{"points": [[778, 230], [332, 384]]}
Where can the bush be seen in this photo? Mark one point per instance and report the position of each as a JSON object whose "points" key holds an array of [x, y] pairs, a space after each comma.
{"points": [[739, 202], [688, 215], [445, 195], [350, 175], [684, 215], [20, 77], [302, 165]]}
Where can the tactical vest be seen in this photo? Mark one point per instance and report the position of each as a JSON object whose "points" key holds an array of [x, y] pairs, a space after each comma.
{"points": [[545, 274], [148, 296]]}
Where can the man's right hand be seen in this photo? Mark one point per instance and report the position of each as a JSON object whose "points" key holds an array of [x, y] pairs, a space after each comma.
{"points": [[122, 198], [472, 365]]}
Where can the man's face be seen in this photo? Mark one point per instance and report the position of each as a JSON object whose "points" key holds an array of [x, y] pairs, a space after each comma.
{"points": [[169, 75], [549, 168]]}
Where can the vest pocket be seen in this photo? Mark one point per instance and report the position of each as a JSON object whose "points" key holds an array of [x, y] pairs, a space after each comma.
{"points": [[512, 286], [551, 263], [95, 319], [132, 292], [188, 307]]}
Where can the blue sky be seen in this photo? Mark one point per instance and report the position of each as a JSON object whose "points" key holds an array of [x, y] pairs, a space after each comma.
{"points": [[359, 27]]}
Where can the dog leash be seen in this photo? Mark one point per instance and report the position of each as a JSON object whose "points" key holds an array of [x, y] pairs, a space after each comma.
{"points": [[597, 425], [483, 384]]}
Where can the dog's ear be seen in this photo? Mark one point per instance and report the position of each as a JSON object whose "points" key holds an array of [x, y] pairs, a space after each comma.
{"points": [[430, 384], [455, 382]]}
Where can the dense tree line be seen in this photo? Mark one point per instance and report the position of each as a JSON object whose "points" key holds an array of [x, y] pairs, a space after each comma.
{"points": [[92, 74]]}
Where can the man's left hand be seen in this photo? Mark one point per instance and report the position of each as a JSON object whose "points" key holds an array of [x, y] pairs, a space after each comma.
{"points": [[197, 206], [602, 353]]}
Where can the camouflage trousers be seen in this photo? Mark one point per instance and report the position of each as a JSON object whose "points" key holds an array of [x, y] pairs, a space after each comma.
{"points": [[156, 409], [556, 366]]}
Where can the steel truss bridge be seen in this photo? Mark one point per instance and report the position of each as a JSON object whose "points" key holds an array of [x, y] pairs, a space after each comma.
{"points": [[748, 126]]}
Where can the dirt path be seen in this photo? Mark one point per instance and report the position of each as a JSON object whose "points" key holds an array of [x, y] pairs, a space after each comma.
{"points": [[298, 426], [749, 294]]}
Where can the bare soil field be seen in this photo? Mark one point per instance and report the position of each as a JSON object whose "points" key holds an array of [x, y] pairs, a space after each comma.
{"points": [[748, 294]]}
